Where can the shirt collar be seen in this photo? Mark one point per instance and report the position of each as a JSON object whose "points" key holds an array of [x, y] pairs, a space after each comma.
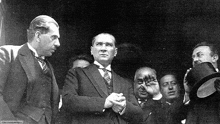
{"points": [[34, 51], [101, 66]]}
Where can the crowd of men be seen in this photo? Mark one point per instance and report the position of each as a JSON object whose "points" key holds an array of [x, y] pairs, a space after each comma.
{"points": [[93, 92]]}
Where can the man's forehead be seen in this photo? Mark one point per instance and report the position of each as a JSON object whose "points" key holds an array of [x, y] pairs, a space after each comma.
{"points": [[54, 30], [201, 49], [146, 72], [104, 38], [168, 78]]}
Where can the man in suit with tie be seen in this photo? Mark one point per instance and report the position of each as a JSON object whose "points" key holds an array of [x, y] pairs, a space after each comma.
{"points": [[96, 94], [28, 88], [147, 91]]}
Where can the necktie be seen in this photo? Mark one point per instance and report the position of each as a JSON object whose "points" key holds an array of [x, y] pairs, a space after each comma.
{"points": [[44, 64], [142, 103], [106, 76]]}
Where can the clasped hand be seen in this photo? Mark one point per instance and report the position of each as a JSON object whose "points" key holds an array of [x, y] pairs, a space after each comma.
{"points": [[116, 101]]}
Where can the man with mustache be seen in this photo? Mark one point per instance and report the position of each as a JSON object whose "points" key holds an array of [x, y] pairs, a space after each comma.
{"points": [[96, 94], [205, 110], [28, 88]]}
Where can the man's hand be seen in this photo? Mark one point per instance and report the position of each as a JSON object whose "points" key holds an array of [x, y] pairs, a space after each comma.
{"points": [[187, 88], [151, 85], [185, 82], [113, 98], [119, 106], [217, 85]]}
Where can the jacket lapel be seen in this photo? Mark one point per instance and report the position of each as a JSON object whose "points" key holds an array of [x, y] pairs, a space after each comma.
{"points": [[96, 79], [27, 61], [116, 82]]}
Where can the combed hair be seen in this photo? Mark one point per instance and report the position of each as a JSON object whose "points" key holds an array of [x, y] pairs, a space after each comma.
{"points": [[41, 24]]}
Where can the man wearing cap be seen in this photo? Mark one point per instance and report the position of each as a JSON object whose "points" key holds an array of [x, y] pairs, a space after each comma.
{"points": [[96, 94], [203, 110], [28, 88]]}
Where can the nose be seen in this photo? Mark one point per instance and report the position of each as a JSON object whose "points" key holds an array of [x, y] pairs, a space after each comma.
{"points": [[57, 43], [170, 87], [195, 59], [103, 47]]}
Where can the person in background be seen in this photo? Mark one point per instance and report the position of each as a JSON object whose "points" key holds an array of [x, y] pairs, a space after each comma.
{"points": [[147, 92], [128, 54], [82, 60], [170, 89], [96, 94], [206, 110], [28, 88]]}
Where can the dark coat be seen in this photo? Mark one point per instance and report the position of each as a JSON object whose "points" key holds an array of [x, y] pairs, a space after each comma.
{"points": [[16, 72], [84, 95]]}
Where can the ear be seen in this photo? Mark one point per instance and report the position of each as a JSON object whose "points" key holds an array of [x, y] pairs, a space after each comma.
{"points": [[116, 51], [91, 50], [37, 36], [215, 57]]}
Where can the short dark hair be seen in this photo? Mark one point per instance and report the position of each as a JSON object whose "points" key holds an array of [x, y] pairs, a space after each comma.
{"points": [[40, 23], [80, 57], [168, 73], [210, 45]]}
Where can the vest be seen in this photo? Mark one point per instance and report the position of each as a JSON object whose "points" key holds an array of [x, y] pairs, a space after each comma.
{"points": [[39, 91]]}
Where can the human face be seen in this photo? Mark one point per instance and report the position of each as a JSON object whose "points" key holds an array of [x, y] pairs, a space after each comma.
{"points": [[169, 87], [203, 54], [49, 42], [103, 49], [139, 81], [80, 63]]}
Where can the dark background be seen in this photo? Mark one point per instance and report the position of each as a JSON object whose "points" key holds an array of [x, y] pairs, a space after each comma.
{"points": [[165, 30]]}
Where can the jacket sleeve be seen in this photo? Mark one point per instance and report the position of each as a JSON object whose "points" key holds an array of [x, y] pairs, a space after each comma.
{"points": [[133, 112], [5, 59], [79, 95]]}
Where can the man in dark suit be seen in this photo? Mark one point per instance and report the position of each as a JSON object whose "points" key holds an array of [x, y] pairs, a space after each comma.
{"points": [[96, 94], [146, 88], [170, 89], [205, 110], [28, 89]]}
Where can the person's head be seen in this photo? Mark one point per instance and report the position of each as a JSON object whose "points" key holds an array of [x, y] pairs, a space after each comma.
{"points": [[104, 48], [81, 61], [43, 35], [205, 52], [169, 86], [139, 81], [128, 54]]}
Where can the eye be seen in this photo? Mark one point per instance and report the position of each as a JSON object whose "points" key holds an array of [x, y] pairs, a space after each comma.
{"points": [[164, 84], [54, 37], [109, 44], [199, 55], [98, 44], [174, 83], [139, 81]]}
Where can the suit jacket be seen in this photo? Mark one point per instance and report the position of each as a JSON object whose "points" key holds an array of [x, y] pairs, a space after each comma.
{"points": [[16, 72], [84, 95], [154, 112]]}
